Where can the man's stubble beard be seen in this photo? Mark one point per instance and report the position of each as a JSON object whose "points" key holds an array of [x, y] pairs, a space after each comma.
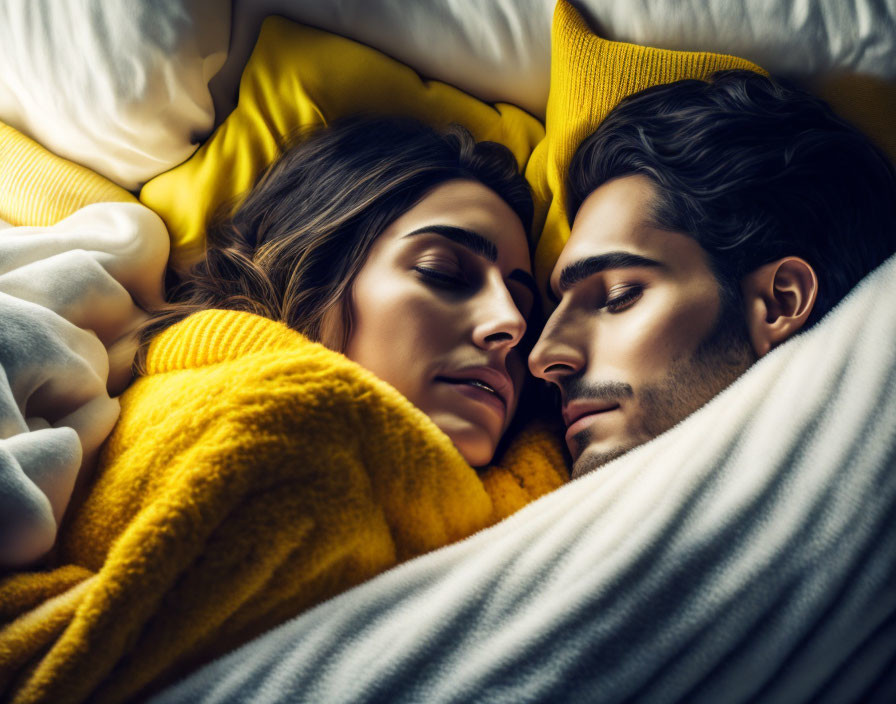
{"points": [[691, 382]]}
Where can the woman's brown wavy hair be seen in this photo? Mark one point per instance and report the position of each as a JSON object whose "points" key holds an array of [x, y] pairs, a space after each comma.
{"points": [[293, 247]]}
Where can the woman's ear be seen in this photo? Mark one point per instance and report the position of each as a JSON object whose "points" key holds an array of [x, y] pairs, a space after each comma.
{"points": [[778, 298]]}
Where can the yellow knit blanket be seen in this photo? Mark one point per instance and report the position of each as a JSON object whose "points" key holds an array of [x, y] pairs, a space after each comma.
{"points": [[251, 475]]}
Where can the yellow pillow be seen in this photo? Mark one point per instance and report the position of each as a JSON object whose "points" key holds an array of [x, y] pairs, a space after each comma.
{"points": [[299, 76], [589, 76], [868, 102], [38, 188]]}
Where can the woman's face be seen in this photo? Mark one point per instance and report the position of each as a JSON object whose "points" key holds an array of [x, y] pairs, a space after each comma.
{"points": [[439, 308]]}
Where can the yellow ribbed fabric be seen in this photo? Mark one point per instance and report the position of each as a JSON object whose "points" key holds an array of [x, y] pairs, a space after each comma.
{"points": [[299, 77], [589, 76], [38, 188], [251, 475]]}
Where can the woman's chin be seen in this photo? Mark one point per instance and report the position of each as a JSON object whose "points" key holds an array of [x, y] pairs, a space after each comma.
{"points": [[475, 443], [476, 456]]}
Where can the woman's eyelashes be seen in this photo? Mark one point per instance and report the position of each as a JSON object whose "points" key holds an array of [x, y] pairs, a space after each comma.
{"points": [[466, 278], [442, 276]]}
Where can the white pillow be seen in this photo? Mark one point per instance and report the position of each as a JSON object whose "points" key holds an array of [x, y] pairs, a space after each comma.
{"points": [[500, 50], [120, 87]]}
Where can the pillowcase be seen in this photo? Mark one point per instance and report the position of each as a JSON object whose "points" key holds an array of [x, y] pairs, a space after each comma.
{"points": [[38, 188], [121, 87], [298, 77], [500, 49], [589, 76]]}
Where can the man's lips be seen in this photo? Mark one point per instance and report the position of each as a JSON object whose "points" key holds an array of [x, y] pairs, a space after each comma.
{"points": [[577, 415]]}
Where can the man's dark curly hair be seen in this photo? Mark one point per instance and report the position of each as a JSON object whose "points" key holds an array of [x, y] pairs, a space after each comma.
{"points": [[754, 170]]}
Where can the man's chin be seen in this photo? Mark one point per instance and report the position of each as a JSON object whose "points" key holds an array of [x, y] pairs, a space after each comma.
{"points": [[596, 457]]}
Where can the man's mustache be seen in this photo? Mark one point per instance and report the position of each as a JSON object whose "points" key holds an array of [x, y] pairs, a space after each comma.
{"points": [[576, 389]]}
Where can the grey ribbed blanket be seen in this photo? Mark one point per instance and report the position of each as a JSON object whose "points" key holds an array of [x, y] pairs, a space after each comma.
{"points": [[747, 555]]}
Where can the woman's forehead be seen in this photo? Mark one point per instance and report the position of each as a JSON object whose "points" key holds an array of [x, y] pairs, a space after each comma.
{"points": [[465, 205]]}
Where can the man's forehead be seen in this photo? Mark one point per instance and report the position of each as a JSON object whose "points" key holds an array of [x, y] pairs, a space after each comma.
{"points": [[642, 241], [617, 219], [616, 216], [594, 238]]}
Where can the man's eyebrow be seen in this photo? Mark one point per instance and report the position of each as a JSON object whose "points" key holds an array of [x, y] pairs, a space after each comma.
{"points": [[583, 268], [473, 241]]}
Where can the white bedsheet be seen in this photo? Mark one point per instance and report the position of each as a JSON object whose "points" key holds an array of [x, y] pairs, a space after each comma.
{"points": [[70, 297], [746, 555]]}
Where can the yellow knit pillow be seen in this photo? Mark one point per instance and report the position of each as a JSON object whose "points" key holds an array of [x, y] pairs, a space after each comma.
{"points": [[38, 188], [589, 76], [869, 102], [299, 76]]}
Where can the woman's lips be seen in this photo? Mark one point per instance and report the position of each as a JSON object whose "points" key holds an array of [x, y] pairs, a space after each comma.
{"points": [[489, 380], [479, 394]]}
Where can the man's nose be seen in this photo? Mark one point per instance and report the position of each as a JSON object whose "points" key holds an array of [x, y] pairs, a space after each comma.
{"points": [[560, 351], [499, 322]]}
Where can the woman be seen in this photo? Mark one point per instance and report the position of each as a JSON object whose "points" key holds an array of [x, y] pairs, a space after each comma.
{"points": [[254, 471], [402, 248]]}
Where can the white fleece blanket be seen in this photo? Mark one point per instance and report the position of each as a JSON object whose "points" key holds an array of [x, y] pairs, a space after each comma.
{"points": [[70, 297], [747, 555]]}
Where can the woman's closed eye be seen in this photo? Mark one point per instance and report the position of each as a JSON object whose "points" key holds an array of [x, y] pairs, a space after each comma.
{"points": [[441, 273]]}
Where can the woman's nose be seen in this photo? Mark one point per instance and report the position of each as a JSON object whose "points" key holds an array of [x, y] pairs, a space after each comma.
{"points": [[499, 322], [560, 350]]}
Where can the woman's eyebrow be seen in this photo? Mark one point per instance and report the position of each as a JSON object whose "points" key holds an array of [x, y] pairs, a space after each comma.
{"points": [[479, 245], [473, 241]]}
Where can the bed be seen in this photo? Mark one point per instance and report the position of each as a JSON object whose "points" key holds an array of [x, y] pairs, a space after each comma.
{"points": [[748, 554]]}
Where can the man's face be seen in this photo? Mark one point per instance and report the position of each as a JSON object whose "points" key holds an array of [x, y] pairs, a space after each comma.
{"points": [[640, 338]]}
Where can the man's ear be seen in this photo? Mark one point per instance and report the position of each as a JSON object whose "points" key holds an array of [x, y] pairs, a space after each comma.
{"points": [[778, 298]]}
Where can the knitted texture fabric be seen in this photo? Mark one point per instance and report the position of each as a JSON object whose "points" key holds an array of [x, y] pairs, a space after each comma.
{"points": [[252, 474], [589, 77], [39, 188]]}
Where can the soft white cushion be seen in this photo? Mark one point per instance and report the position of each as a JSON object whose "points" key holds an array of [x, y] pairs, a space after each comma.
{"points": [[500, 49], [120, 87]]}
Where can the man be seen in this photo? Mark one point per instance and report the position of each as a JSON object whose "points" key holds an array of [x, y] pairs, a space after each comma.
{"points": [[711, 222]]}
